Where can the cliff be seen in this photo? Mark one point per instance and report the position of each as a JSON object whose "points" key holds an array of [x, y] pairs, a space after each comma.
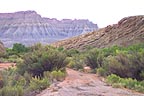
{"points": [[28, 27]]}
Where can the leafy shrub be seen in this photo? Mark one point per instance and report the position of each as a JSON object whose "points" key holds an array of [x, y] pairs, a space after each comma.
{"points": [[46, 59], [101, 71], [142, 75], [116, 67], [19, 48], [76, 62], [111, 51], [130, 83], [113, 79], [38, 84], [94, 58], [12, 91], [126, 65], [58, 75], [14, 84], [72, 52]]}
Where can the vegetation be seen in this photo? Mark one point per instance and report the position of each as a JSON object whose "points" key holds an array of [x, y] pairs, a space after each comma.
{"points": [[125, 62], [38, 66], [38, 61], [130, 83]]}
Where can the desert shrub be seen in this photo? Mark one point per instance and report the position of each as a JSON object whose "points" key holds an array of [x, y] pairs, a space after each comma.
{"points": [[8, 76], [13, 83], [113, 79], [60, 49], [46, 59], [79, 63], [38, 84], [137, 65], [71, 62], [101, 71], [12, 91], [14, 59], [37, 46], [15, 54], [126, 65], [142, 75], [58, 75], [76, 62], [118, 65], [130, 83], [111, 51], [72, 52], [94, 59]]}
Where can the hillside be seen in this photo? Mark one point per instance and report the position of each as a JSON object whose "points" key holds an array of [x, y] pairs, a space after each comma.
{"points": [[128, 31], [28, 27], [2, 49]]}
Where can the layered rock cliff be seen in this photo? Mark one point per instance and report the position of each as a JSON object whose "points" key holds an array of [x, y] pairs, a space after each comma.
{"points": [[2, 49], [128, 31], [28, 27]]}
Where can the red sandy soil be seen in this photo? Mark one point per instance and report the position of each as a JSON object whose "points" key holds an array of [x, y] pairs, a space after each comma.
{"points": [[84, 84], [6, 65]]}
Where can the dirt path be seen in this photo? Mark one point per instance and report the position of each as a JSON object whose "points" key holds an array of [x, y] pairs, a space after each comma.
{"points": [[82, 84], [6, 65]]}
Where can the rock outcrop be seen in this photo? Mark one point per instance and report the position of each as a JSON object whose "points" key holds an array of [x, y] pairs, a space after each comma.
{"points": [[128, 31], [28, 27], [2, 49]]}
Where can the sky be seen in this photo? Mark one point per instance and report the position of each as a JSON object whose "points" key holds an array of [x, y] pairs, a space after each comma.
{"points": [[101, 12]]}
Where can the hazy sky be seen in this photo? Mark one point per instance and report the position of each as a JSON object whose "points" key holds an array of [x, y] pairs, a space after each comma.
{"points": [[102, 12]]}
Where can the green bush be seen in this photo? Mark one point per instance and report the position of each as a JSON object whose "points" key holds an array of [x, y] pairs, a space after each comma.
{"points": [[95, 58], [72, 52], [76, 62], [12, 91], [14, 84], [38, 84], [142, 74], [130, 83], [126, 65], [46, 59], [19, 48], [101, 71], [113, 79], [58, 75]]}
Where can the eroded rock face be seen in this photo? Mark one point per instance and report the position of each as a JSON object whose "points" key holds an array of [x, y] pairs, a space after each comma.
{"points": [[28, 27], [2, 49], [128, 31]]}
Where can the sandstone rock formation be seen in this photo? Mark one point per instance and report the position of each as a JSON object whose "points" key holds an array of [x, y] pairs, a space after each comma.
{"points": [[28, 27], [129, 30], [2, 49]]}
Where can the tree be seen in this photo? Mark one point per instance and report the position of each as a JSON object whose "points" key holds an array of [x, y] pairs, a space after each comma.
{"points": [[19, 48]]}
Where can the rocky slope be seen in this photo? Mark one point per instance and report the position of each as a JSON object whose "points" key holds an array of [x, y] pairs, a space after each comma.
{"points": [[2, 49], [28, 27], [129, 30]]}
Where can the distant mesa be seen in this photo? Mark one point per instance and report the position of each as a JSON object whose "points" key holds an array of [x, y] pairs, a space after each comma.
{"points": [[28, 27]]}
